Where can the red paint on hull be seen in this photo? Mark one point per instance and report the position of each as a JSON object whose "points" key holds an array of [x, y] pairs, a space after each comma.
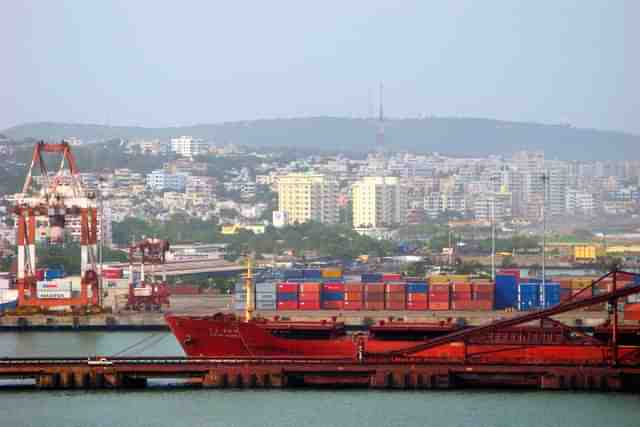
{"points": [[221, 336]]}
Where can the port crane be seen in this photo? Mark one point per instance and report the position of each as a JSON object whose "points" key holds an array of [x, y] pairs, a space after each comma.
{"points": [[149, 296], [61, 194]]}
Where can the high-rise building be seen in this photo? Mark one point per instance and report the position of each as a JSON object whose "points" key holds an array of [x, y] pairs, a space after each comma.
{"points": [[379, 202], [187, 146], [308, 197]]}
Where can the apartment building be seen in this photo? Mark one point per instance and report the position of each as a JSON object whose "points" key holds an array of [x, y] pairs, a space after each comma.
{"points": [[379, 202], [308, 197]]}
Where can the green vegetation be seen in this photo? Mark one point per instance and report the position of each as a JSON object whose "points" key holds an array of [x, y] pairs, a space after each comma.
{"points": [[68, 257], [179, 228]]}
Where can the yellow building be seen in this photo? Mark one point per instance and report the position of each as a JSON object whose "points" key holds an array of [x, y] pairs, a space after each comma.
{"points": [[308, 197], [230, 229]]}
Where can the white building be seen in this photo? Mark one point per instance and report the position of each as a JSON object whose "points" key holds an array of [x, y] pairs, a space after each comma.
{"points": [[187, 146], [280, 219], [379, 202]]}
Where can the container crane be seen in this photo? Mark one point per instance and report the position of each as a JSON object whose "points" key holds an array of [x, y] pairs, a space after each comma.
{"points": [[61, 194], [149, 296]]}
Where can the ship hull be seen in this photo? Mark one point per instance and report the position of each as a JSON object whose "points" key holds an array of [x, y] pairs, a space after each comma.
{"points": [[211, 337]]}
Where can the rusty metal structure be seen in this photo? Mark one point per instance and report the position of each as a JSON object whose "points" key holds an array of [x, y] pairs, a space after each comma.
{"points": [[61, 194]]}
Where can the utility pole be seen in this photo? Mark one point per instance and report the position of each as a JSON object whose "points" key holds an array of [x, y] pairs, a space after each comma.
{"points": [[101, 247], [545, 179]]}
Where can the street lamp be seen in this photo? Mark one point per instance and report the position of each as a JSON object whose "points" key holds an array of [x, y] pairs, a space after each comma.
{"points": [[545, 179]]}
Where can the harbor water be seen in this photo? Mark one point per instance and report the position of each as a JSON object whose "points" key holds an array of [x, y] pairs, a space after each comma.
{"points": [[167, 405]]}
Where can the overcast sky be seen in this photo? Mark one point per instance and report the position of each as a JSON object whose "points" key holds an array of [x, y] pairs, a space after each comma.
{"points": [[159, 63]]}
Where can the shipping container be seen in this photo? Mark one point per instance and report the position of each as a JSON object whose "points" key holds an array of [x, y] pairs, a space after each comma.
{"points": [[53, 273], [40, 274], [374, 305], [417, 287], [292, 274], [287, 296], [309, 305], [371, 277], [288, 305], [266, 305], [333, 287], [391, 277], [506, 291], [265, 287], [333, 304], [528, 296], [314, 274], [331, 273], [288, 287], [112, 273], [353, 305]]}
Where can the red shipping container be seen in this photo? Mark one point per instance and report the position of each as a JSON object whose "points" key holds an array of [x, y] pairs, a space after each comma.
{"points": [[510, 272], [417, 297], [438, 305], [417, 305], [374, 305], [309, 305], [333, 287], [287, 305], [389, 277], [309, 297], [353, 287], [332, 305], [353, 305], [40, 274], [395, 296], [353, 296], [396, 305], [288, 287], [112, 273], [395, 287], [309, 287]]}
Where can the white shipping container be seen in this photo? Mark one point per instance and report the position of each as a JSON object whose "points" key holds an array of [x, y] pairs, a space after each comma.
{"points": [[142, 292], [4, 283]]}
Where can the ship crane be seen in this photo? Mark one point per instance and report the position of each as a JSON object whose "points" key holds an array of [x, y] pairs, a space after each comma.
{"points": [[61, 194], [611, 297]]}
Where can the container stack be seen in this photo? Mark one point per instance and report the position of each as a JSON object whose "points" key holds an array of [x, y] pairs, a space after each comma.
{"points": [[353, 296], [395, 296], [439, 295], [417, 296], [332, 273], [374, 296], [371, 278], [528, 296], [287, 296], [483, 295], [312, 274], [506, 291], [112, 273], [462, 296], [552, 294], [333, 296], [266, 296], [292, 275], [309, 295]]}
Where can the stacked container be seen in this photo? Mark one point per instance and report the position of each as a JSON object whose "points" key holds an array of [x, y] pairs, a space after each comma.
{"points": [[266, 296], [292, 275], [287, 296], [506, 291], [112, 273], [54, 273], [353, 296], [439, 296], [417, 296], [552, 294], [483, 295], [528, 296], [462, 296], [374, 296], [309, 296], [371, 278], [391, 277], [333, 296], [332, 273], [395, 295], [314, 275]]}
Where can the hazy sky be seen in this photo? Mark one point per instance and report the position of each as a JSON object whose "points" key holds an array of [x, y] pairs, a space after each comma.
{"points": [[157, 63]]}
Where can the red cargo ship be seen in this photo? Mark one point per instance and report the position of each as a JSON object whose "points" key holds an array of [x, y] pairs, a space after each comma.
{"points": [[224, 335], [509, 341]]}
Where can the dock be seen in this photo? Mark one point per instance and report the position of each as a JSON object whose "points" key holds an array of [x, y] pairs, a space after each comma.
{"points": [[258, 373]]}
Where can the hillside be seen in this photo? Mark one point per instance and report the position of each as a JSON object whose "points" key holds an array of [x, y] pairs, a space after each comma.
{"points": [[452, 136]]}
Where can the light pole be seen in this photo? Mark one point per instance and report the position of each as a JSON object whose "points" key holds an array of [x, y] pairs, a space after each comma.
{"points": [[545, 179], [493, 237]]}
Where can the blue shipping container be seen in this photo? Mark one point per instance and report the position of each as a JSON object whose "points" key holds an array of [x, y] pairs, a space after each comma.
{"points": [[54, 273], [417, 288], [333, 296], [371, 277], [506, 291], [287, 296], [528, 296], [312, 274], [292, 274], [551, 294]]}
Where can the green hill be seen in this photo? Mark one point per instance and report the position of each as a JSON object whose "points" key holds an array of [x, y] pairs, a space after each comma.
{"points": [[452, 136]]}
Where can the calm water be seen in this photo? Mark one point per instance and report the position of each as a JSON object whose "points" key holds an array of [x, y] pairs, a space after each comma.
{"points": [[187, 407]]}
